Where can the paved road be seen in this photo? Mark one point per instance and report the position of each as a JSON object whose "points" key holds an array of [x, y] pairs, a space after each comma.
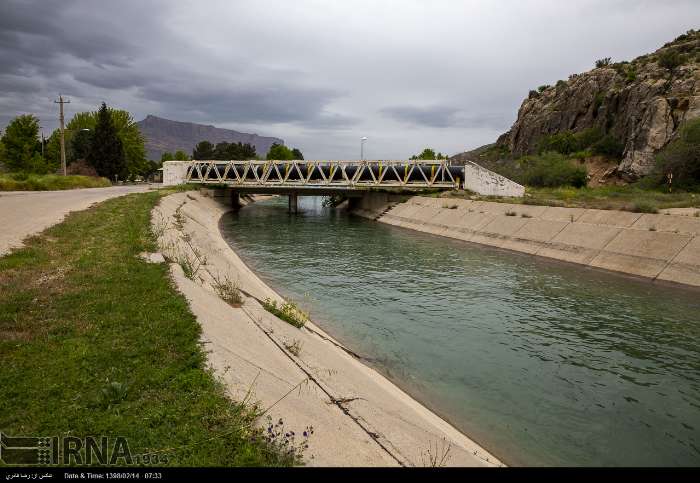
{"points": [[24, 213]]}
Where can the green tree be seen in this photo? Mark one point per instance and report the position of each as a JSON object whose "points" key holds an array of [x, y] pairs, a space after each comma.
{"points": [[2, 156], [178, 156], [132, 141], [79, 147], [297, 154], [203, 151], [83, 125], [279, 152], [428, 154], [22, 145], [107, 151]]}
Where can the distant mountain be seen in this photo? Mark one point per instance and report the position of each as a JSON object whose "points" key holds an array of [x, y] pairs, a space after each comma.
{"points": [[165, 135]]}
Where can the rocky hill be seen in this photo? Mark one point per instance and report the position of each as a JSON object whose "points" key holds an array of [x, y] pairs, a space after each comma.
{"points": [[165, 135], [637, 104]]}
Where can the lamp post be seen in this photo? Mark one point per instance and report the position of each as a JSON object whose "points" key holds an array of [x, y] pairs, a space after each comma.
{"points": [[362, 147]]}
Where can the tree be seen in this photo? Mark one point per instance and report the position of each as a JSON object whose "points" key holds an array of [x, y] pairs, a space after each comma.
{"points": [[203, 151], [279, 152], [2, 156], [428, 154], [178, 156], [133, 143], [107, 151], [297, 154], [79, 147], [22, 145]]}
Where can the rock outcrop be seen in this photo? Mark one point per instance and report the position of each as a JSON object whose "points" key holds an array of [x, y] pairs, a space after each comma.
{"points": [[640, 103], [165, 135]]}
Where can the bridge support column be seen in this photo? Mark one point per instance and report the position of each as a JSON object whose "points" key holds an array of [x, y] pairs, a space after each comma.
{"points": [[293, 203], [235, 200]]}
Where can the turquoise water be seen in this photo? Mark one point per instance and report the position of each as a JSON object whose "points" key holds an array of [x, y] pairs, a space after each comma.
{"points": [[541, 363]]}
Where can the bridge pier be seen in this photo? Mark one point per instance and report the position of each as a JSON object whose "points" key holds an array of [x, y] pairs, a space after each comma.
{"points": [[293, 203], [235, 200]]}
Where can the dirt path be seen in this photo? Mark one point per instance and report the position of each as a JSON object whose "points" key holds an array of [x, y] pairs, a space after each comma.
{"points": [[25, 213]]}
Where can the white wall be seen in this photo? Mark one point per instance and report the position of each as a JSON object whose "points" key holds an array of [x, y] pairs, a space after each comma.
{"points": [[174, 172], [485, 182]]}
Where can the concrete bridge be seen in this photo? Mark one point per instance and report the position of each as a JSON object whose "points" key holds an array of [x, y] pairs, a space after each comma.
{"points": [[354, 179]]}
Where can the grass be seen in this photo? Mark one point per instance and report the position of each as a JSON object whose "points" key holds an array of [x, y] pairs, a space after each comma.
{"points": [[626, 198], [47, 182], [288, 311], [96, 341]]}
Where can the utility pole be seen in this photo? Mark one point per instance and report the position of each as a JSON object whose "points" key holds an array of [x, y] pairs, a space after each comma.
{"points": [[61, 101]]}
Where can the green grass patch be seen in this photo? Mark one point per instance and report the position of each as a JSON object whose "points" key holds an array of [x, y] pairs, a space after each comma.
{"points": [[625, 198], [48, 182], [95, 341]]}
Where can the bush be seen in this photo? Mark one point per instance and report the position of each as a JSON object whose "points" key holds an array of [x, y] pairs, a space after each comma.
{"points": [[681, 158], [543, 88], [588, 137], [551, 170], [604, 62], [670, 59], [644, 207], [608, 146], [563, 142], [33, 182]]}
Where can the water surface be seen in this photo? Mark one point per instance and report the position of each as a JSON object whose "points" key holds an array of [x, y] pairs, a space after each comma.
{"points": [[542, 363]]}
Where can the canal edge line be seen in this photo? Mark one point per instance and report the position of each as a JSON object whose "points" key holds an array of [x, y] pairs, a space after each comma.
{"points": [[364, 420], [663, 248]]}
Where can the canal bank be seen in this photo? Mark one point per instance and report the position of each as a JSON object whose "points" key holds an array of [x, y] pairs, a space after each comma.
{"points": [[541, 361], [659, 247], [359, 418]]}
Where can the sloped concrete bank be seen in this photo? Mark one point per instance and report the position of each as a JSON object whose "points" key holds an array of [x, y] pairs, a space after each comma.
{"points": [[663, 247], [359, 418]]}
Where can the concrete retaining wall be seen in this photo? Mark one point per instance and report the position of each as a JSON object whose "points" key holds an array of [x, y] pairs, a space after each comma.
{"points": [[174, 172], [485, 182], [663, 247]]}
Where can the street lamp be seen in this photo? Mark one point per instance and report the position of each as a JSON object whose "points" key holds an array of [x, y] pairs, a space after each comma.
{"points": [[362, 147]]}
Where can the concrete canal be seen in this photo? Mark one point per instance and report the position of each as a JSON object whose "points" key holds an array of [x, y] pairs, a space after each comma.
{"points": [[540, 362]]}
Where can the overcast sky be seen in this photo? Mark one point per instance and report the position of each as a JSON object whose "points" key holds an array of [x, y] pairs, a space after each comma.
{"points": [[319, 74]]}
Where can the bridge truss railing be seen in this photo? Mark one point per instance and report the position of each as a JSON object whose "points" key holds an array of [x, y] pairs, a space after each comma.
{"points": [[342, 174]]}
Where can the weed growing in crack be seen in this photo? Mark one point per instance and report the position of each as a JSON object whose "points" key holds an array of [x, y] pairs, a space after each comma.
{"points": [[435, 457], [294, 347], [288, 311], [228, 290], [285, 441]]}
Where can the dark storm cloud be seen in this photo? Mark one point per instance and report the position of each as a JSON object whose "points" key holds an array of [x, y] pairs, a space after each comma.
{"points": [[223, 101], [318, 74], [97, 48]]}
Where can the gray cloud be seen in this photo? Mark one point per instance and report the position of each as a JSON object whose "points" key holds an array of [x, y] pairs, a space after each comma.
{"points": [[445, 116], [320, 75]]}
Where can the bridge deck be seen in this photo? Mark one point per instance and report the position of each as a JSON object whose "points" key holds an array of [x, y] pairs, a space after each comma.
{"points": [[346, 175]]}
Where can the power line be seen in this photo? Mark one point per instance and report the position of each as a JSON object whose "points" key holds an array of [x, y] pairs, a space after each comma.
{"points": [[62, 101]]}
